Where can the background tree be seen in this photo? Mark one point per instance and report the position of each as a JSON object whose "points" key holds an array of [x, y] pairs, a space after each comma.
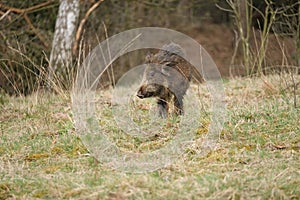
{"points": [[61, 54]]}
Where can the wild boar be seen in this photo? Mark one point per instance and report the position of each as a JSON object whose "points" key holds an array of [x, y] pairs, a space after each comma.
{"points": [[166, 77]]}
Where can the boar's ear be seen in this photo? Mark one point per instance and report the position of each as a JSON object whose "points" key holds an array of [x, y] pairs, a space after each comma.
{"points": [[149, 57]]}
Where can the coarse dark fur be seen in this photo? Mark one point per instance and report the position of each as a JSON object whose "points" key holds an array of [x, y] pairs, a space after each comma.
{"points": [[166, 77]]}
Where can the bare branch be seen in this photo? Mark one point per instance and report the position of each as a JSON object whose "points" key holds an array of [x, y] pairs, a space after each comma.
{"points": [[4, 15], [26, 10], [35, 30], [81, 25]]}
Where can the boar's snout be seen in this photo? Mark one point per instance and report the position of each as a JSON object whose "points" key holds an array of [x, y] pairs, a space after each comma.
{"points": [[142, 92], [148, 90], [140, 95]]}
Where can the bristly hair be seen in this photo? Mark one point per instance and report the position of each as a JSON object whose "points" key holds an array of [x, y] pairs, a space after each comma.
{"points": [[172, 48]]}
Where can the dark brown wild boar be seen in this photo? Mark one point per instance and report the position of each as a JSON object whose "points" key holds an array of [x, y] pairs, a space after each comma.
{"points": [[167, 76]]}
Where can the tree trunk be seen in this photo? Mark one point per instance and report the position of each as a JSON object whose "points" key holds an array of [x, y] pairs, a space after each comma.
{"points": [[65, 29]]}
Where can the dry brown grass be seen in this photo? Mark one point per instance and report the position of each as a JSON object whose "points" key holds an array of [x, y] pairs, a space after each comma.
{"points": [[258, 156]]}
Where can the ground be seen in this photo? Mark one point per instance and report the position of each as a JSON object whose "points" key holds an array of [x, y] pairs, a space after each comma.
{"points": [[41, 155]]}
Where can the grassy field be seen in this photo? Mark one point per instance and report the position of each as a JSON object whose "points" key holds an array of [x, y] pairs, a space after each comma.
{"points": [[258, 157]]}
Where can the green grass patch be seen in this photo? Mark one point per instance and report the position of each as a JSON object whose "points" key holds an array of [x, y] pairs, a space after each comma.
{"points": [[257, 158]]}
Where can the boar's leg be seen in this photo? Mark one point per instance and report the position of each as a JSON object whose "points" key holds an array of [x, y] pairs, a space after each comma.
{"points": [[178, 104], [162, 108]]}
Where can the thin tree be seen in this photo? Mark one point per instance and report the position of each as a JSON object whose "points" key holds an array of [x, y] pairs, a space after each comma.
{"points": [[64, 36]]}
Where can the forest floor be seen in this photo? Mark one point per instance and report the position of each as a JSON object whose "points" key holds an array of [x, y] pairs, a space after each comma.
{"points": [[258, 156]]}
